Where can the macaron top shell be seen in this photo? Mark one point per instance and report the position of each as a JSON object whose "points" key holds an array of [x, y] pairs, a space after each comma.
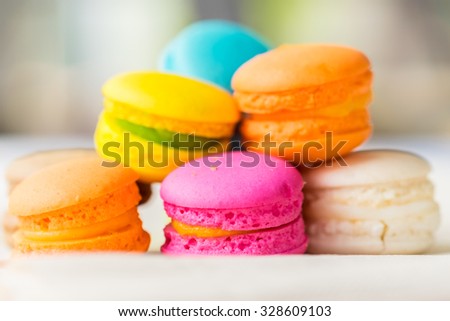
{"points": [[291, 66], [212, 50], [68, 183], [23, 167], [232, 180], [367, 168], [172, 96]]}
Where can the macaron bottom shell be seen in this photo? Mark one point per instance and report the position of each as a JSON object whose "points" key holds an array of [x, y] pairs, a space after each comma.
{"points": [[353, 245], [309, 135], [288, 238], [317, 150], [130, 239], [389, 229]]}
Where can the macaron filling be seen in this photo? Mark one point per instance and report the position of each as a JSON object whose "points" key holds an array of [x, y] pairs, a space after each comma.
{"points": [[201, 231], [112, 225], [134, 115], [340, 109], [168, 138], [131, 238], [292, 129]]}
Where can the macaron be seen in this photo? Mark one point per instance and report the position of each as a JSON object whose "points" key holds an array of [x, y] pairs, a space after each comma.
{"points": [[236, 203], [154, 122], [211, 50], [25, 166], [377, 202], [310, 100], [78, 205]]}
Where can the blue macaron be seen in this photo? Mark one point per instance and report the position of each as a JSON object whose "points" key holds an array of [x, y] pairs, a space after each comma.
{"points": [[211, 50]]}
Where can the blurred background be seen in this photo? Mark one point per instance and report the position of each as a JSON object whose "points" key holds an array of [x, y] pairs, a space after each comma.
{"points": [[56, 54]]}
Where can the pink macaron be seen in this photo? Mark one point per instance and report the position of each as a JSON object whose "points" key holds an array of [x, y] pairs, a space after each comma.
{"points": [[237, 203]]}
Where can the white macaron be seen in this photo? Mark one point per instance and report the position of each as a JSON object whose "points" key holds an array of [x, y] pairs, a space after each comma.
{"points": [[380, 202]]}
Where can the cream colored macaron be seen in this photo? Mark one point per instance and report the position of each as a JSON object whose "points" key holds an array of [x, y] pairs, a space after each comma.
{"points": [[379, 202], [23, 167]]}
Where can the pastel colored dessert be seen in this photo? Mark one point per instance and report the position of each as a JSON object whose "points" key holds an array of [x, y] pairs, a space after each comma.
{"points": [[298, 94], [211, 50], [237, 203], [25, 166], [29, 164], [155, 122], [78, 205], [380, 203], [10, 225]]}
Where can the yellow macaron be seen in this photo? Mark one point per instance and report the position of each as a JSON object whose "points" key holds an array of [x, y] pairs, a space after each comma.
{"points": [[155, 122]]}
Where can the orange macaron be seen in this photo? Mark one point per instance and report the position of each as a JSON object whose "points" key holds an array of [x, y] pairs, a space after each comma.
{"points": [[311, 99], [78, 205], [25, 166], [21, 168]]}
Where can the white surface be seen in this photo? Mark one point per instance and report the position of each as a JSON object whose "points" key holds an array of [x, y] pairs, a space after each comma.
{"points": [[153, 276]]}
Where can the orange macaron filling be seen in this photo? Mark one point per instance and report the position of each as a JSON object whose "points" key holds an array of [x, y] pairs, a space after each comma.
{"points": [[92, 225], [114, 224], [293, 127], [208, 232], [130, 239], [201, 231], [309, 135]]}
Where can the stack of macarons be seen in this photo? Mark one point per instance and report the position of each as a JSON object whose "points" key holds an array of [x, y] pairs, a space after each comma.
{"points": [[303, 109], [78, 205], [308, 104], [157, 121]]}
